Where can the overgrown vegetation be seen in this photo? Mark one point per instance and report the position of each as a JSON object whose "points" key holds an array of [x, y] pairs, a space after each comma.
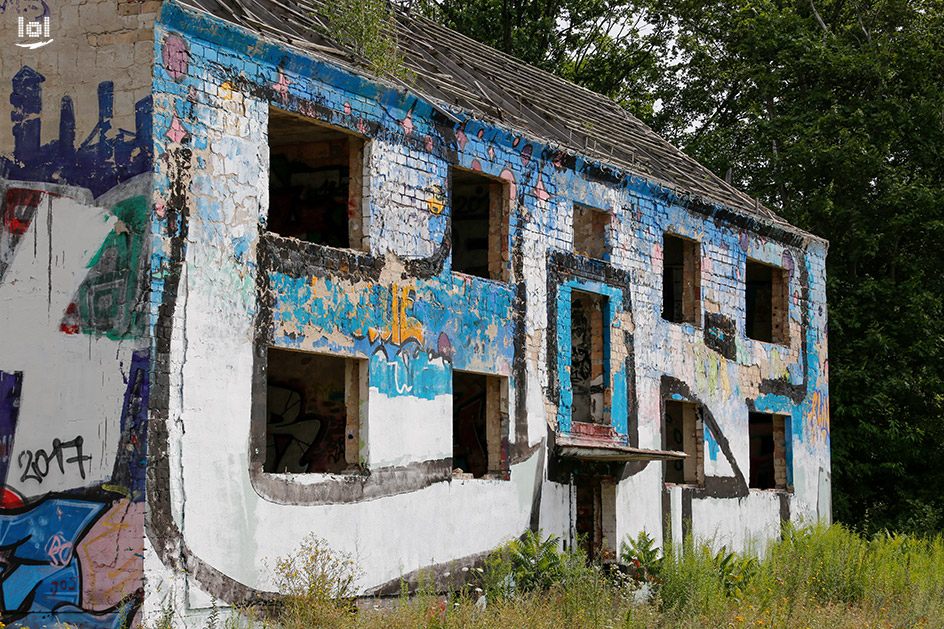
{"points": [[814, 577], [368, 27]]}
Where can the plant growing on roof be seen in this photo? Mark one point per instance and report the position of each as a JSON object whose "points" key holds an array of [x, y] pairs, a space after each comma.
{"points": [[369, 29]]}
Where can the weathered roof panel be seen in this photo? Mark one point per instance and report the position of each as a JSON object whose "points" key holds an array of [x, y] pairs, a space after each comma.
{"points": [[461, 74]]}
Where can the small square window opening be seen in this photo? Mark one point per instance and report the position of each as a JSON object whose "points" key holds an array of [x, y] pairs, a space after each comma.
{"points": [[683, 431], [681, 280], [316, 181], [313, 410], [766, 304], [479, 225], [590, 227], [479, 425]]}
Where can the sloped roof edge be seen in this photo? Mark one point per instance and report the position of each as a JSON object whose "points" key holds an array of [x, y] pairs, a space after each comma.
{"points": [[456, 73]]}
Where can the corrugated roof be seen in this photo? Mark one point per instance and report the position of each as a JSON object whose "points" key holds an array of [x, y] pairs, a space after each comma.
{"points": [[460, 73]]}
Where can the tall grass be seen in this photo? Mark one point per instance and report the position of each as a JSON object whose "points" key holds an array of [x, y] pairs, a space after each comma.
{"points": [[815, 576]]}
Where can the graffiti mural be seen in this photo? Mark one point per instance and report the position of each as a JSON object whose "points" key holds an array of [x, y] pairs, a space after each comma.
{"points": [[111, 298], [72, 558], [69, 558], [817, 418], [42, 578], [105, 158]]}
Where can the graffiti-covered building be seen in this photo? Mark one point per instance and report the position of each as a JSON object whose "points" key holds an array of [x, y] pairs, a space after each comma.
{"points": [[250, 291]]}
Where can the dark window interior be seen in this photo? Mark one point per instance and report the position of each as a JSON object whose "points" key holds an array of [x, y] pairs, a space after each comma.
{"points": [[306, 414], [681, 283], [681, 434], [672, 278], [759, 295], [588, 369], [767, 451], [310, 180], [476, 244], [469, 423]]}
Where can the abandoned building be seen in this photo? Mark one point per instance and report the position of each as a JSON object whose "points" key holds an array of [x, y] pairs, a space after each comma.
{"points": [[251, 291]]}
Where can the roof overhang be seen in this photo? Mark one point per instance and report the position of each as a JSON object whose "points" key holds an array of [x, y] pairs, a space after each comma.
{"points": [[610, 452]]}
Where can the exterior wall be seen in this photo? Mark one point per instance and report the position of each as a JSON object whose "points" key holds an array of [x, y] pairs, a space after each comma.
{"points": [[75, 164], [224, 290]]}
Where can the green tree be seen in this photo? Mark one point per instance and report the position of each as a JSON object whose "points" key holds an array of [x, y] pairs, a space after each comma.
{"points": [[831, 112], [609, 46]]}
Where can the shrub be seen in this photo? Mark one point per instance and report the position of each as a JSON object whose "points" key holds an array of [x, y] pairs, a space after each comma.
{"points": [[318, 585], [532, 564], [641, 557]]}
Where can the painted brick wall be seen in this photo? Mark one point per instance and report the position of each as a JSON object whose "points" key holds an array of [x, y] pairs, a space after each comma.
{"points": [[224, 290]]}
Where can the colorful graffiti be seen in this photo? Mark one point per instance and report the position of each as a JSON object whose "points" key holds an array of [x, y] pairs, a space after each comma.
{"points": [[817, 418], [110, 300], [101, 161], [16, 213], [42, 579], [400, 326], [73, 558], [406, 331], [77, 559]]}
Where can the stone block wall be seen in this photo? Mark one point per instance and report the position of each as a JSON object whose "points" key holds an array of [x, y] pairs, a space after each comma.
{"points": [[75, 162]]}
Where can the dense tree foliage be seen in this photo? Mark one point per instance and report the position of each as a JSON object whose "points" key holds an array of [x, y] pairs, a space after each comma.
{"points": [[605, 45], [832, 113]]}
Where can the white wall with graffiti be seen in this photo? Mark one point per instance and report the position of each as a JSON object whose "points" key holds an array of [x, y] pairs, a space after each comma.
{"points": [[256, 294], [75, 158], [273, 334]]}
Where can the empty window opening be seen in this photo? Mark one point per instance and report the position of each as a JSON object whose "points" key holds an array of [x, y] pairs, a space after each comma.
{"points": [[312, 412], [315, 181], [479, 227], [479, 425], [595, 516], [590, 226], [768, 449], [681, 280], [589, 357], [684, 432], [766, 290]]}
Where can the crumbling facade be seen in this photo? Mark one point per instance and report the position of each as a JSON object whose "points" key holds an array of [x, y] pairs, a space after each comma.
{"points": [[252, 292]]}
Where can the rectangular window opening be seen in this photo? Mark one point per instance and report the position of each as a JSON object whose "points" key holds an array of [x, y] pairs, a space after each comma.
{"points": [[681, 280], [479, 225], [683, 431], [316, 178], [479, 425], [590, 225], [313, 411], [768, 451], [589, 377], [765, 289], [595, 516]]}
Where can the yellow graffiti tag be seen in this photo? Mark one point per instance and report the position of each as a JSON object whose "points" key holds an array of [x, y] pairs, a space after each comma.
{"points": [[817, 417], [226, 90], [400, 325], [437, 201]]}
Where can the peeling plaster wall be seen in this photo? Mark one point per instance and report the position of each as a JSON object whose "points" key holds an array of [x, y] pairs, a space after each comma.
{"points": [[224, 290], [75, 190]]}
